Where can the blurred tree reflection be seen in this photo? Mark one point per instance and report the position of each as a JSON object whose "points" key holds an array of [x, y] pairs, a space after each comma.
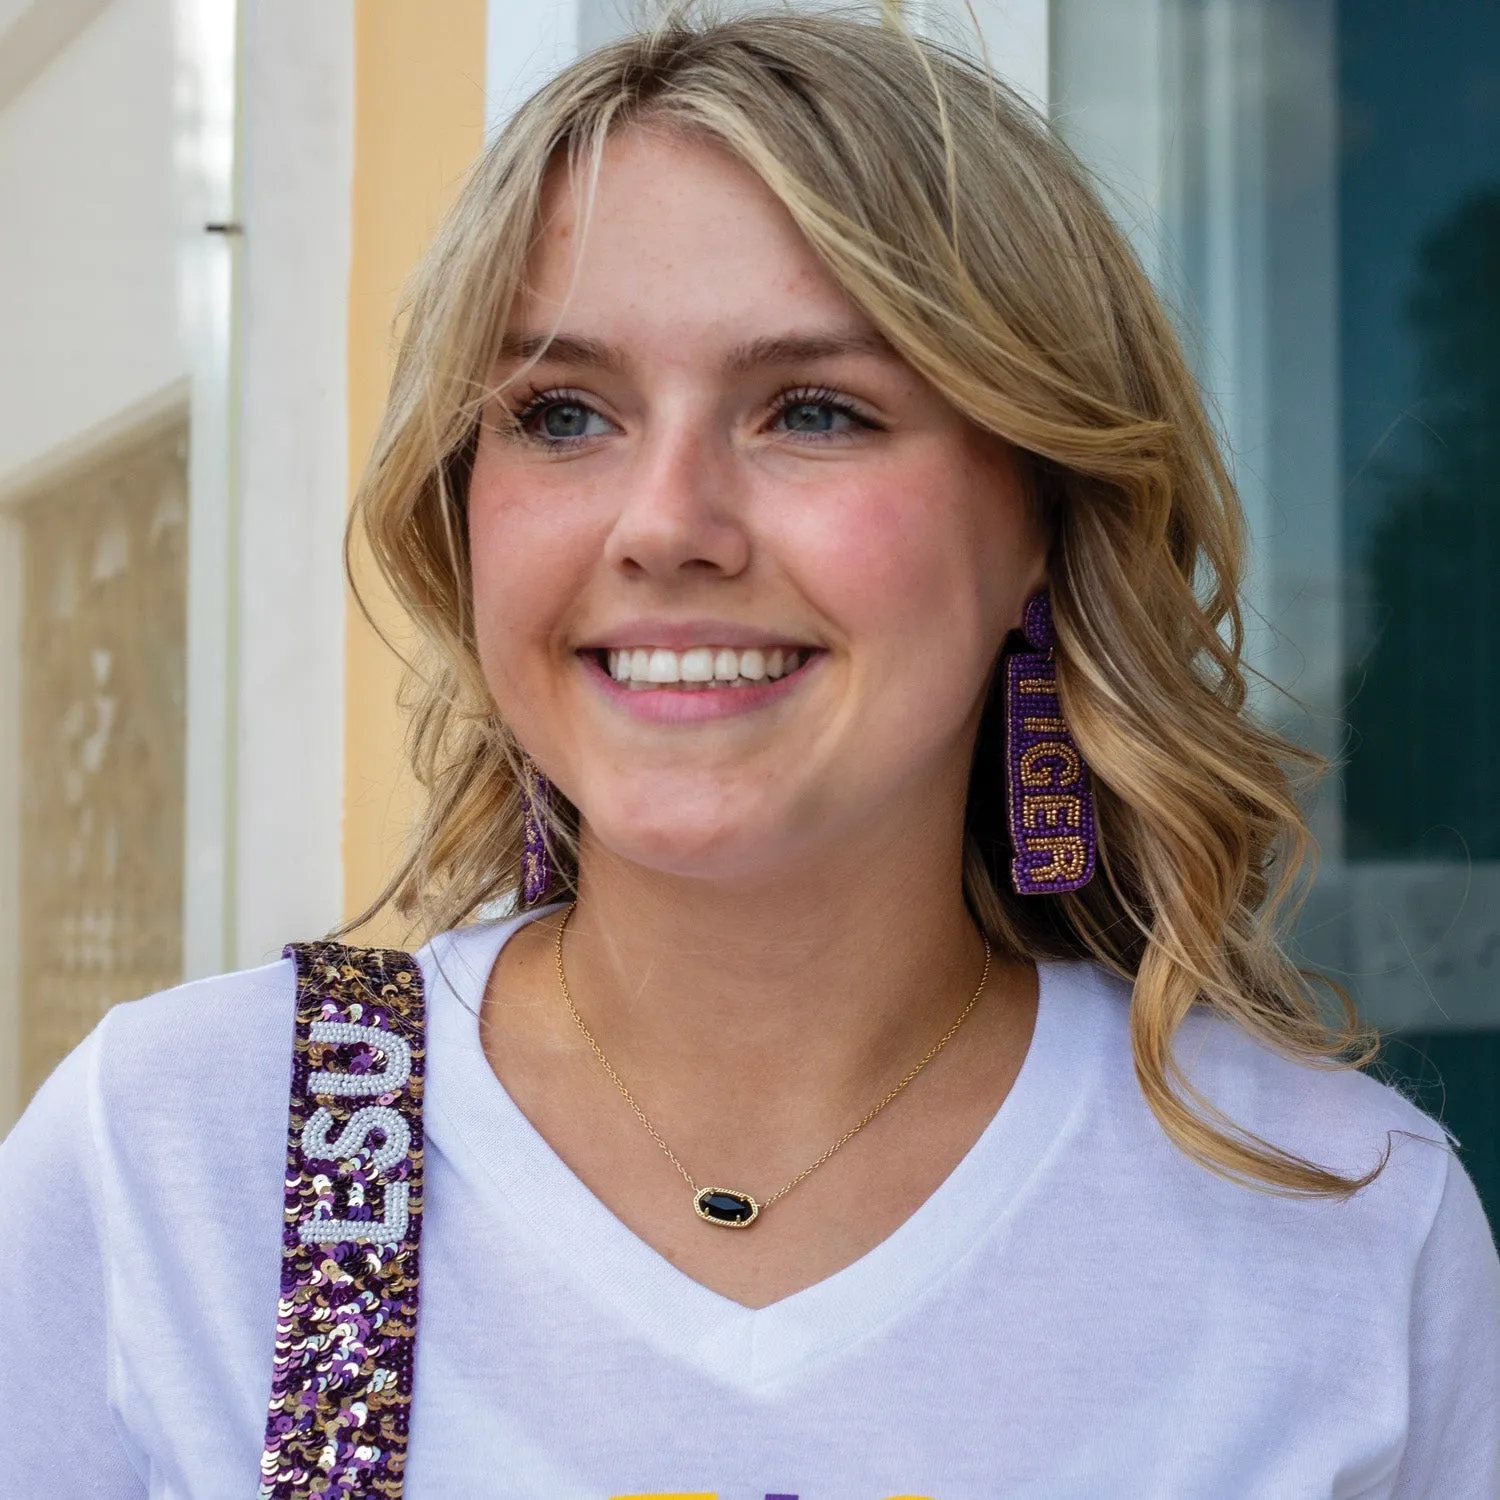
{"points": [[1425, 702]]}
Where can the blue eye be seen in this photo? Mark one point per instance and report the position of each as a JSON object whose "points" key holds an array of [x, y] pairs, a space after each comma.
{"points": [[554, 418], [571, 419], [811, 416], [818, 414]]}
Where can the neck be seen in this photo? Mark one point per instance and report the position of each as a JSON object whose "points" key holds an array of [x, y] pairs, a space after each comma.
{"points": [[804, 991]]}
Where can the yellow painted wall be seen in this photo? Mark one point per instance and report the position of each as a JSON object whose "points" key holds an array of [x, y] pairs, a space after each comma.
{"points": [[418, 123]]}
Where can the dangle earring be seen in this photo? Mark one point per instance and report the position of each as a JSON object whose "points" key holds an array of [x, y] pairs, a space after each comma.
{"points": [[536, 862], [1049, 797]]}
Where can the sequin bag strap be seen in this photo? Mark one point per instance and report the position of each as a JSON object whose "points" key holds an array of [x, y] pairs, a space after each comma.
{"points": [[346, 1320]]}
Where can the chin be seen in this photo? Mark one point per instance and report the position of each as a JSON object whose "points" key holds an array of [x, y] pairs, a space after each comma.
{"points": [[697, 849]]}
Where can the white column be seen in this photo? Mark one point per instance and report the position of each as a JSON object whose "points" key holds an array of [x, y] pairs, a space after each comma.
{"points": [[1011, 36], [265, 132], [205, 148], [292, 474], [525, 44], [1112, 62]]}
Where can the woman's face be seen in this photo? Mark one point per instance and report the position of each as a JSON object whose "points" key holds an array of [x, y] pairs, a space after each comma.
{"points": [[725, 474]]}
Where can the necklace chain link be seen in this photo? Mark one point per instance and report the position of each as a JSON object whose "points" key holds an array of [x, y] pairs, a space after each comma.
{"points": [[843, 1140]]}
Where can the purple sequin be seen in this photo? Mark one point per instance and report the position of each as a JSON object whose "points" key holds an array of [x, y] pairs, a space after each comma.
{"points": [[536, 862], [1050, 799], [346, 1320]]}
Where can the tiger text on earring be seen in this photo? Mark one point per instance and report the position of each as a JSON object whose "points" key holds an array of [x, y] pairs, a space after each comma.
{"points": [[1049, 798]]}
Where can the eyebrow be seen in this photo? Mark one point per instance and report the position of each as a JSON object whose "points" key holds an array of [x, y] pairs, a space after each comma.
{"points": [[780, 349]]}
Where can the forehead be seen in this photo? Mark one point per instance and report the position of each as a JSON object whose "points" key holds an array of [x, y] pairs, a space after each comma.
{"points": [[676, 233]]}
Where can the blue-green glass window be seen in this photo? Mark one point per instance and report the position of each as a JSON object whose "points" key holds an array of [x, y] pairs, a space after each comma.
{"points": [[1315, 186]]}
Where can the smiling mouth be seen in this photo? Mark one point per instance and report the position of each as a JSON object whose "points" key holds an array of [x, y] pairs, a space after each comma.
{"points": [[647, 668]]}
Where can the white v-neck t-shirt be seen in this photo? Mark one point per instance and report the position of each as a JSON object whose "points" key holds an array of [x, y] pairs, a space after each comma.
{"points": [[1078, 1311]]}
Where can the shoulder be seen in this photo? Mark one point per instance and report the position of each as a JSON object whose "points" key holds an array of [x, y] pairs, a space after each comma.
{"points": [[1340, 1118], [199, 1044], [219, 1050], [225, 1043], [169, 1118], [169, 1093], [228, 1037]]}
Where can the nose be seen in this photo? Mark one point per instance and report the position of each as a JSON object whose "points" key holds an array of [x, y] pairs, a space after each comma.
{"points": [[679, 511]]}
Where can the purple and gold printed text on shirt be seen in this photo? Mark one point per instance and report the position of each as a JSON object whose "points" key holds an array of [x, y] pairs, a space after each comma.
{"points": [[346, 1320]]}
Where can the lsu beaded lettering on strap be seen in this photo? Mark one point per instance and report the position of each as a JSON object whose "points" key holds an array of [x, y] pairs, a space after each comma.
{"points": [[346, 1320]]}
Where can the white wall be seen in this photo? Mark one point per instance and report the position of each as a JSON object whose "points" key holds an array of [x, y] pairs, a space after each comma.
{"points": [[88, 303], [33, 32], [88, 225], [117, 144]]}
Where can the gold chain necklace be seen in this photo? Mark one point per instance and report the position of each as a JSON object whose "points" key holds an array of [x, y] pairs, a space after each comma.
{"points": [[728, 1207]]}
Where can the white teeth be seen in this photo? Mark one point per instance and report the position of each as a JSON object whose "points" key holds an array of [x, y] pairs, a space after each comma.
{"points": [[698, 664], [711, 666], [663, 667]]}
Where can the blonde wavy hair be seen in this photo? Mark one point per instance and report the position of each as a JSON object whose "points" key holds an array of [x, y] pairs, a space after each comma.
{"points": [[973, 241]]}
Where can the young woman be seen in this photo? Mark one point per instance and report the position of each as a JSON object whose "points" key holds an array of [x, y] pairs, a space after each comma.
{"points": [[887, 1081]]}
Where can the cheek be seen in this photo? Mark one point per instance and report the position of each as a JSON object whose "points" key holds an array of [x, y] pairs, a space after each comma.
{"points": [[525, 567], [931, 561]]}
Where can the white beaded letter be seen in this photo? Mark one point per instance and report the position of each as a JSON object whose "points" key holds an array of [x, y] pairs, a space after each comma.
{"points": [[387, 1231], [361, 1125], [393, 1076]]}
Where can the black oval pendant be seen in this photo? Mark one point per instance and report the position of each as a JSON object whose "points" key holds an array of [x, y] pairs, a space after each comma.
{"points": [[726, 1208]]}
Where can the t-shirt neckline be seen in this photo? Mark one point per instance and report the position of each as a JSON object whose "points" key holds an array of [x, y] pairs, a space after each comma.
{"points": [[472, 1118]]}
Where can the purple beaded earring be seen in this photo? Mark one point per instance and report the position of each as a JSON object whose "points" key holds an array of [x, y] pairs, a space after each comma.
{"points": [[536, 862], [1049, 796]]}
